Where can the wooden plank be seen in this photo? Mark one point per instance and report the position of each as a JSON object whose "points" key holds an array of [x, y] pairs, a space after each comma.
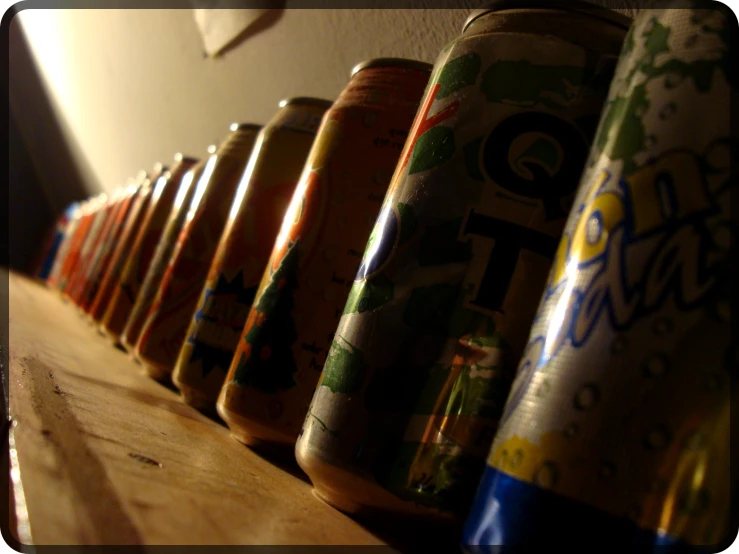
{"points": [[108, 456]]}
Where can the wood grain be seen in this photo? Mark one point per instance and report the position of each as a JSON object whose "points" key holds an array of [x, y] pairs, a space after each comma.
{"points": [[108, 456]]}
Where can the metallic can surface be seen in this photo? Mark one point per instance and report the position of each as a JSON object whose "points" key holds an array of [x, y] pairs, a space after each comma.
{"points": [[148, 236], [125, 242], [69, 271], [95, 238], [261, 201], [160, 260], [622, 391], [288, 333], [105, 252], [166, 323], [57, 249], [424, 355]]}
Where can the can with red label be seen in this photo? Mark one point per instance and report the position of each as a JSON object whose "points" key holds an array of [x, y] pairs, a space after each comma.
{"points": [[166, 323], [68, 232], [69, 272], [288, 333], [105, 252], [144, 245], [54, 241], [96, 237], [440, 308], [261, 201], [123, 248], [163, 253]]}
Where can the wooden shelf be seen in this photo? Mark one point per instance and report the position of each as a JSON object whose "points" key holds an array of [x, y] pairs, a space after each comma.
{"points": [[108, 456]]}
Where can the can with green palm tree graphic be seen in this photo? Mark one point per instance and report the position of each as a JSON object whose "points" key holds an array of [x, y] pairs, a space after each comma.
{"points": [[439, 312]]}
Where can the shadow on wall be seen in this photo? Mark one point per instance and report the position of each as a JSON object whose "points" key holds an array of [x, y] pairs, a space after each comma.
{"points": [[43, 175]]}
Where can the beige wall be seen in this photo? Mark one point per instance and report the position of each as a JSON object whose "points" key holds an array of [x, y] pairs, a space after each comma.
{"points": [[132, 87]]}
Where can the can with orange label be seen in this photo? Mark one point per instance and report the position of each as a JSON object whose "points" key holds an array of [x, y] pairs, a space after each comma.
{"points": [[69, 272], [289, 330], [142, 251], [57, 236], [70, 232], [107, 248], [261, 201], [159, 261], [167, 320], [120, 254], [96, 237]]}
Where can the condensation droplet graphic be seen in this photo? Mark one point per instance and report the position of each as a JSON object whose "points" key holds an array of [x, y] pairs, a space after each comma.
{"points": [[594, 230], [656, 365], [661, 327], [587, 397], [607, 470], [657, 438], [571, 430], [619, 345], [546, 475]]}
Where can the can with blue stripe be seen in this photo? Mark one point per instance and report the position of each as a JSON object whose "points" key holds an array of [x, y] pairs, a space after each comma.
{"points": [[616, 427]]}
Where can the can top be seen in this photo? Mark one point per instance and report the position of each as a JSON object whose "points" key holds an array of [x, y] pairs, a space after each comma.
{"points": [[305, 100], [392, 62], [244, 126], [179, 157], [567, 5], [158, 168]]}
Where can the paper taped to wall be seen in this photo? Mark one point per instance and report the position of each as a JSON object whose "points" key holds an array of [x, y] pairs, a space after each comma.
{"points": [[219, 27]]}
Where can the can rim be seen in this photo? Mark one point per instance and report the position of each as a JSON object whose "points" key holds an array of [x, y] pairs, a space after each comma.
{"points": [[392, 62], [306, 101], [580, 6], [244, 126], [180, 157]]}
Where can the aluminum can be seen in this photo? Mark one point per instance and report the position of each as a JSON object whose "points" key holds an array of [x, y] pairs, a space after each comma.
{"points": [[289, 331], [55, 247], [95, 238], [617, 423], [118, 260], [69, 272], [440, 308], [105, 252], [160, 260], [167, 320], [144, 245], [261, 202]]}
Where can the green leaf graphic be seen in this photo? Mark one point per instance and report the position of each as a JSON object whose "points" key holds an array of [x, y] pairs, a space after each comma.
{"points": [[459, 73], [433, 148]]}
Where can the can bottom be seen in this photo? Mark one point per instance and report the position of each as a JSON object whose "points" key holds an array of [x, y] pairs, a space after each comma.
{"points": [[155, 372], [196, 399], [127, 345], [359, 495], [256, 435]]}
